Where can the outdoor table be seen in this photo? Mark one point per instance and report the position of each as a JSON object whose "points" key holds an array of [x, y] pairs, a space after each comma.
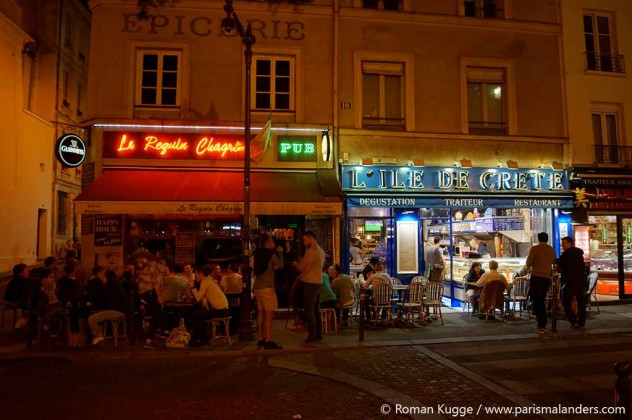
{"points": [[181, 309], [400, 289]]}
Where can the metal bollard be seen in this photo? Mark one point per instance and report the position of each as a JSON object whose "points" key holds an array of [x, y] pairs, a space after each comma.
{"points": [[362, 309], [622, 390]]}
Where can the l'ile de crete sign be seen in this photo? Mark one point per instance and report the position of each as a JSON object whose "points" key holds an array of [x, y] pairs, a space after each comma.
{"points": [[534, 187], [452, 179]]}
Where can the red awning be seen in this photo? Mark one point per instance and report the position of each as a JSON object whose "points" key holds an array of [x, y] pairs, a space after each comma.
{"points": [[211, 192]]}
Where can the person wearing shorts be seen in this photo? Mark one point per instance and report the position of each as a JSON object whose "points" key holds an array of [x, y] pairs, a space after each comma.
{"points": [[266, 259]]}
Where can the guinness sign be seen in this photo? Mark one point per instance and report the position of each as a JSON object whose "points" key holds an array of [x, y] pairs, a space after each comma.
{"points": [[70, 150]]}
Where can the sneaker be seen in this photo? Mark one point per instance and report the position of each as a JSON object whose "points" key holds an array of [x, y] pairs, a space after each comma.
{"points": [[308, 343], [540, 330], [261, 344], [97, 340], [271, 345], [149, 344]]}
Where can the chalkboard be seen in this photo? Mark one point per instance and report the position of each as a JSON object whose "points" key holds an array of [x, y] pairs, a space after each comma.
{"points": [[185, 239], [508, 223], [108, 230], [185, 255]]}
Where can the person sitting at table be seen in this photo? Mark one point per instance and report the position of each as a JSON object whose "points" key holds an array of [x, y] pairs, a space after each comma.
{"points": [[356, 252], [108, 301], [366, 273], [174, 285], [473, 292], [216, 273], [342, 286], [211, 303], [492, 275], [327, 295], [187, 273], [231, 283], [379, 277]]}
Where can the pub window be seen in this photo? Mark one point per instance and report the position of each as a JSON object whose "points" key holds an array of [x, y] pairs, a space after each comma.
{"points": [[158, 78], [68, 32], [598, 41], [383, 95], [605, 126], [381, 4], [273, 83], [62, 212], [486, 103]]}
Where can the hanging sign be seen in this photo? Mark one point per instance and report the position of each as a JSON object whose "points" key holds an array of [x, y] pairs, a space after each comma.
{"points": [[70, 150]]}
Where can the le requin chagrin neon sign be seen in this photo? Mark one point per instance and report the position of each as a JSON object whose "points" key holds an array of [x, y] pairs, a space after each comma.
{"points": [[172, 146]]}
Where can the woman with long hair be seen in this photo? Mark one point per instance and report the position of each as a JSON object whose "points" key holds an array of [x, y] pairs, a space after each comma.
{"points": [[471, 291]]}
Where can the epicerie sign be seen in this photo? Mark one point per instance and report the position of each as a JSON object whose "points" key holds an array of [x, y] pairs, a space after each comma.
{"points": [[70, 150]]}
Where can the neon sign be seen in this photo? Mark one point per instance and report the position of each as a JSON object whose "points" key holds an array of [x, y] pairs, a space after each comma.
{"points": [[70, 150], [135, 145], [297, 149]]}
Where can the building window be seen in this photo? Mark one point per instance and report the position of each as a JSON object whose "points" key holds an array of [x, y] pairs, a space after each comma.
{"points": [[383, 95], [158, 78], [79, 101], [605, 125], [274, 79], [62, 212], [66, 88], [486, 108], [381, 4], [68, 33], [483, 8], [599, 44]]}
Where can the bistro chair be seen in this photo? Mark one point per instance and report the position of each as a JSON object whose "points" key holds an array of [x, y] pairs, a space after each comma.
{"points": [[415, 300], [13, 307], [518, 296], [434, 294], [492, 298], [328, 317], [420, 279], [382, 298], [466, 301], [349, 308], [591, 291], [223, 321]]}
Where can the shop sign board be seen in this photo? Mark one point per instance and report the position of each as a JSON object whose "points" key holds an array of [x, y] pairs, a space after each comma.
{"points": [[169, 145], [430, 202], [108, 230], [70, 150], [413, 179], [604, 193], [296, 149]]}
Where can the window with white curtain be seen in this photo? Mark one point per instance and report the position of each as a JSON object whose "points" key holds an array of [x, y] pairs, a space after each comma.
{"points": [[605, 126], [383, 95]]}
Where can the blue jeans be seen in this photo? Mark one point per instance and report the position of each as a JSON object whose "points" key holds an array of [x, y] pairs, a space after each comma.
{"points": [[311, 303]]}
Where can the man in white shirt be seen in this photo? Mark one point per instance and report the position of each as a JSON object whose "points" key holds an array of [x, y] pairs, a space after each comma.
{"points": [[231, 283], [212, 304], [311, 267]]}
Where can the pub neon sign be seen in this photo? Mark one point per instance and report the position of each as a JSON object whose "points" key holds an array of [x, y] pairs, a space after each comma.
{"points": [[172, 146], [297, 148]]}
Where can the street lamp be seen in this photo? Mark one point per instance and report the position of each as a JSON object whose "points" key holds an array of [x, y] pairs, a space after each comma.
{"points": [[229, 24]]}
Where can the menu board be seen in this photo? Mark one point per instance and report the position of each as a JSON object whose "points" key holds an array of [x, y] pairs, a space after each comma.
{"points": [[185, 255], [508, 223], [407, 247], [108, 230], [87, 224], [185, 239], [484, 224]]}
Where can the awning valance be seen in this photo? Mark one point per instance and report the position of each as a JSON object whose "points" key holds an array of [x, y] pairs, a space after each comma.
{"points": [[211, 193]]}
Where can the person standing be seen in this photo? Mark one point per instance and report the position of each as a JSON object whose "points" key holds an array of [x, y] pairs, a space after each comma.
{"points": [[435, 260], [266, 261], [311, 267], [541, 258], [574, 282]]}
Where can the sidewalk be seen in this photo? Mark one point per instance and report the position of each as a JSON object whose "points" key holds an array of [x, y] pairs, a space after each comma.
{"points": [[458, 326]]}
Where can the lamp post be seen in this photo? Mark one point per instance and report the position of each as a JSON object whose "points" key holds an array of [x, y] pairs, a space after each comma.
{"points": [[229, 24]]}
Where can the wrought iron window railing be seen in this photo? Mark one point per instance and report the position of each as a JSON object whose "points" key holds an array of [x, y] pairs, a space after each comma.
{"points": [[604, 62], [621, 155]]}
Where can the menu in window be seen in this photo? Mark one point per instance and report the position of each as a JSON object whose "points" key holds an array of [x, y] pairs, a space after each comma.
{"points": [[108, 230], [582, 240], [407, 247]]}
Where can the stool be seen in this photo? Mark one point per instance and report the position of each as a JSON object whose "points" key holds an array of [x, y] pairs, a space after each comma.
{"points": [[325, 315], [214, 323], [350, 308], [10, 306], [114, 329]]}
